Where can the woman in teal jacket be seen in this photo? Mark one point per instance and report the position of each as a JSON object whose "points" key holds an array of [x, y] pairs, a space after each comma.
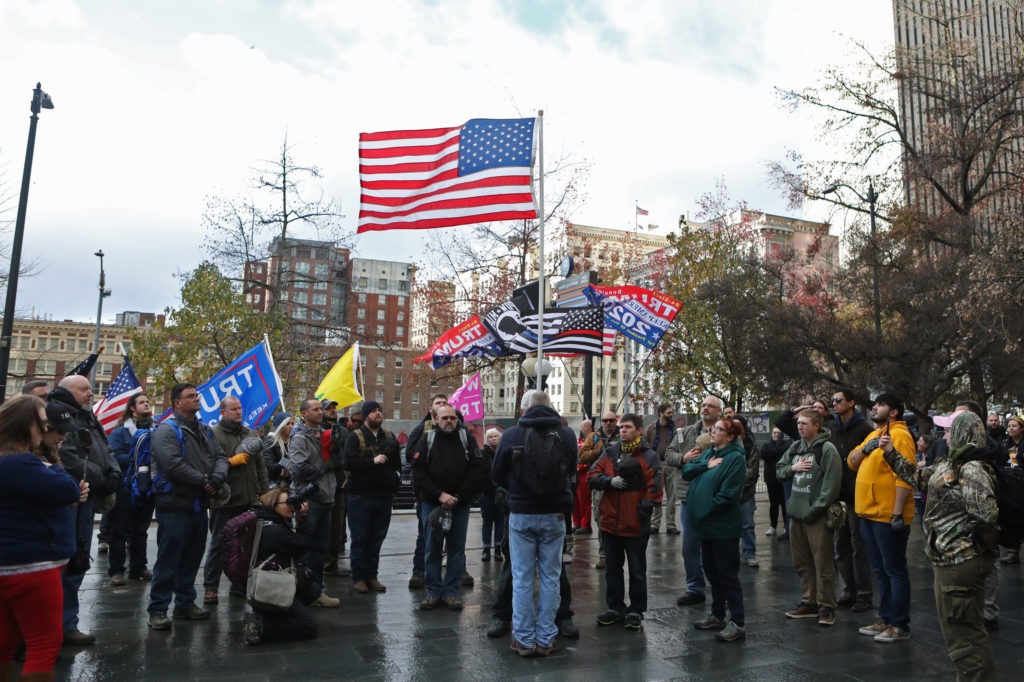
{"points": [[713, 502]]}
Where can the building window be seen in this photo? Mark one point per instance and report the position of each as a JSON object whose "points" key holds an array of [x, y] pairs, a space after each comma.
{"points": [[301, 297], [378, 396], [403, 286], [298, 313], [320, 286], [361, 314], [380, 315], [104, 368], [361, 330], [48, 367], [399, 363], [382, 284], [380, 378], [415, 398], [380, 330], [400, 300], [19, 365], [317, 314], [54, 344], [396, 414], [361, 298], [399, 331], [398, 396], [398, 380], [363, 282], [301, 267], [401, 316], [320, 270], [380, 361], [319, 299], [574, 407]]}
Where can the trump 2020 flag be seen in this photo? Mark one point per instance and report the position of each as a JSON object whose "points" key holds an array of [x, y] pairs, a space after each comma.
{"points": [[442, 177], [340, 383], [469, 399], [252, 378], [640, 314], [467, 340], [109, 410]]}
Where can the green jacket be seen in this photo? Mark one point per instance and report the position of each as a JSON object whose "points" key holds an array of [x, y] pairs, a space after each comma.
{"points": [[713, 501], [816, 489]]}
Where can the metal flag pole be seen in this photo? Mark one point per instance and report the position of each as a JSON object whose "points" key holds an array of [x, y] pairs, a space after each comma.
{"points": [[540, 251]]}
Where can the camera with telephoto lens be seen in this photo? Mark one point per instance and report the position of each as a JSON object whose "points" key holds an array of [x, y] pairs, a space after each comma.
{"points": [[300, 494]]}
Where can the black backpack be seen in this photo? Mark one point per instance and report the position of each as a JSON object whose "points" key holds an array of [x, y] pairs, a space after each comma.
{"points": [[540, 467]]}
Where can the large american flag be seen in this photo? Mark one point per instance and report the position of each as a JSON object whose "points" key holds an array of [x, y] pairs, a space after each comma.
{"points": [[573, 330], [441, 177], [124, 386]]}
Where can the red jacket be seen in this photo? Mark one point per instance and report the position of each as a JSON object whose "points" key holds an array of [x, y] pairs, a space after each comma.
{"points": [[621, 510]]}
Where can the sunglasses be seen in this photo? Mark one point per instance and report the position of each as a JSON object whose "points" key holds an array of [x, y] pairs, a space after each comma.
{"points": [[836, 401], [449, 419], [608, 421]]}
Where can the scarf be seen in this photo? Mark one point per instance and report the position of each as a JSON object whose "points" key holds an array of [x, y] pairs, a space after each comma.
{"points": [[630, 446]]}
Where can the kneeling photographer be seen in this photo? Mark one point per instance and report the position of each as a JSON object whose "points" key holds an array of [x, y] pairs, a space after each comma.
{"points": [[277, 511]]}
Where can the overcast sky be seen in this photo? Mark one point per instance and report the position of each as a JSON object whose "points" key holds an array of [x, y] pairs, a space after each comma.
{"points": [[162, 104]]}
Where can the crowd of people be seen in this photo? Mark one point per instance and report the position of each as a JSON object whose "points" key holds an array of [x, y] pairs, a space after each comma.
{"points": [[844, 486]]}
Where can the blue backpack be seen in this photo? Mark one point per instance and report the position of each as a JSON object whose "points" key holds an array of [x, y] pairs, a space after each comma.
{"points": [[143, 478]]}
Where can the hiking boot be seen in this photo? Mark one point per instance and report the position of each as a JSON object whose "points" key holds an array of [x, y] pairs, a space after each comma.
{"points": [[78, 638], [804, 610], [118, 580], [893, 634], [731, 633], [609, 617], [336, 569], [252, 629], [544, 651], [467, 580], [103, 548], [453, 603], [846, 601], [210, 597], [567, 628], [689, 599], [862, 604], [874, 629], [145, 575], [600, 564], [361, 586], [429, 602], [324, 601], [376, 585], [500, 628], [751, 562], [674, 531], [634, 621], [498, 556], [192, 612], [159, 621], [416, 581], [826, 616], [710, 622], [486, 556], [522, 649]]}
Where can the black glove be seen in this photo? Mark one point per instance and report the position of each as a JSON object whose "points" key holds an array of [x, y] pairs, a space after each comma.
{"points": [[870, 446], [897, 523]]}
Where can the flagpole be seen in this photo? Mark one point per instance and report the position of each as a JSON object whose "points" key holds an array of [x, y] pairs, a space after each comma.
{"points": [[277, 375], [636, 215], [636, 376], [540, 252]]}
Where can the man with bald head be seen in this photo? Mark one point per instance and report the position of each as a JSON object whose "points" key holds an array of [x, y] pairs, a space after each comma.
{"points": [[86, 456]]}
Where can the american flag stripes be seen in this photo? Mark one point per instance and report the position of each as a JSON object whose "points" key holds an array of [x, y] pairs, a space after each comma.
{"points": [[109, 410], [442, 177]]}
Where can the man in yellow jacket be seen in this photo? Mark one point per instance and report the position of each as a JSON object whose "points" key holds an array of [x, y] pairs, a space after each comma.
{"points": [[885, 506]]}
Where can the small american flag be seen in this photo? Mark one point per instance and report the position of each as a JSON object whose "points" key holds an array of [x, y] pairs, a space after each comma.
{"points": [[109, 410], [442, 177], [641, 211]]}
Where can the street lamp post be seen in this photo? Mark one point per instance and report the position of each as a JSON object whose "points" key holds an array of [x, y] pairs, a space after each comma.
{"points": [[104, 292], [872, 200], [40, 100]]}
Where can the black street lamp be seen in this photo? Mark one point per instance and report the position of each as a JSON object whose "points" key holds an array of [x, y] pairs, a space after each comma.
{"points": [[104, 293], [872, 200], [40, 100]]}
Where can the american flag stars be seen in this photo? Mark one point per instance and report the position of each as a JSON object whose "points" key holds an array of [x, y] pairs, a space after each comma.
{"points": [[492, 143]]}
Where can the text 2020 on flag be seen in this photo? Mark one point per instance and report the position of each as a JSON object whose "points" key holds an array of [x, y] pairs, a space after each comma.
{"points": [[442, 177]]}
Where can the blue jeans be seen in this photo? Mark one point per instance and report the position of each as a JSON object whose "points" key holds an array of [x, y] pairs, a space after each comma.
{"points": [[316, 525], [369, 518], [621, 550], [691, 553], [180, 543], [72, 583], [748, 540], [887, 552], [433, 542], [535, 540]]}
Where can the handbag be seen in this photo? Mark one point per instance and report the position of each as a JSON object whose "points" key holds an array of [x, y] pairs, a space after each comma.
{"points": [[835, 515], [269, 589]]}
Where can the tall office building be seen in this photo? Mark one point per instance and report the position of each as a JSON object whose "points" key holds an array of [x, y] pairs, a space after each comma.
{"points": [[959, 69]]}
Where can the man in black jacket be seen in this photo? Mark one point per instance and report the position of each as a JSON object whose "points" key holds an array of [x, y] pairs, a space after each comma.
{"points": [[847, 432], [374, 466], [429, 422], [447, 471], [86, 456], [185, 455]]}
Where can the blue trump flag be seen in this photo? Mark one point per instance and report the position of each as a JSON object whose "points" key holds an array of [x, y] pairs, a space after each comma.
{"points": [[252, 378]]}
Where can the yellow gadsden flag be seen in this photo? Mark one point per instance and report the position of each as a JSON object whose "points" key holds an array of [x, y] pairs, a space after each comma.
{"points": [[340, 383]]}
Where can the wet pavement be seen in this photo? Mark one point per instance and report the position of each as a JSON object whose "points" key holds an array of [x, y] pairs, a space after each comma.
{"points": [[384, 637]]}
